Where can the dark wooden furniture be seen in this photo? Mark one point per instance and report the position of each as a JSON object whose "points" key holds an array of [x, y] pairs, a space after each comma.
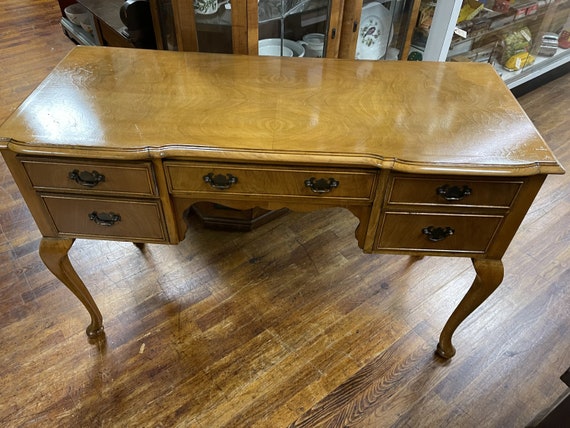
{"points": [[108, 24], [112, 31], [557, 415]]}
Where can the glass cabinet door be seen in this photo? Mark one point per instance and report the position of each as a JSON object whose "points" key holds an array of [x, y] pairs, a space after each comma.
{"points": [[307, 27], [213, 25], [163, 22], [209, 25], [372, 30], [298, 28], [435, 23], [377, 29]]}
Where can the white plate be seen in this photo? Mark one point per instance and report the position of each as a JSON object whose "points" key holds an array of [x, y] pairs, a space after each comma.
{"points": [[375, 32]]}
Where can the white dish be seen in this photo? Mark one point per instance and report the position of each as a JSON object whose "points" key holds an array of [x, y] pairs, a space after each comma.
{"points": [[274, 50], [76, 13], [295, 47], [375, 32]]}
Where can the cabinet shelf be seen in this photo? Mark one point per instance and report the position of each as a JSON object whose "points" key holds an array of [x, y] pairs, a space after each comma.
{"points": [[541, 65], [501, 28], [239, 28]]}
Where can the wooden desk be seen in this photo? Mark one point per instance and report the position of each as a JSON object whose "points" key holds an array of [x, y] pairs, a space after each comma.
{"points": [[433, 158]]}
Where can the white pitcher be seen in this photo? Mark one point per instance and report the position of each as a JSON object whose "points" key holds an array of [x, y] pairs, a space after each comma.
{"points": [[314, 44]]}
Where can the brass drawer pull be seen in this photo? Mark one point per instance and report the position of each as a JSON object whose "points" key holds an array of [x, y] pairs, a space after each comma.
{"points": [[220, 182], [86, 178], [104, 219], [322, 185], [453, 193], [436, 234]]}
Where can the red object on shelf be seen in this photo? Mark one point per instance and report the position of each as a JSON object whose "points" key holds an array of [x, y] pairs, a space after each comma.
{"points": [[564, 39], [502, 6]]}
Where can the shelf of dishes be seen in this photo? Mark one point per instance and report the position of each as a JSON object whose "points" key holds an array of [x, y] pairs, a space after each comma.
{"points": [[279, 23], [299, 27], [375, 31]]}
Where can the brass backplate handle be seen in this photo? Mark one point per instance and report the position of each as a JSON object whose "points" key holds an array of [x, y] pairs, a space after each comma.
{"points": [[220, 181], [322, 185], [86, 178], [104, 219], [453, 193], [436, 234]]}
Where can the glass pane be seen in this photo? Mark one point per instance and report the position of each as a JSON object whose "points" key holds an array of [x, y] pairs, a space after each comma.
{"points": [[166, 19], [421, 30], [293, 27], [382, 30], [520, 39], [214, 25]]}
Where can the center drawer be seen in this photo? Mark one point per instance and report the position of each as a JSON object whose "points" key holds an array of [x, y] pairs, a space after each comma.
{"points": [[229, 179]]}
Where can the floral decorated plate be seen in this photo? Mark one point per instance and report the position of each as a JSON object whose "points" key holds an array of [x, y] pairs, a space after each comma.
{"points": [[208, 7], [375, 32]]}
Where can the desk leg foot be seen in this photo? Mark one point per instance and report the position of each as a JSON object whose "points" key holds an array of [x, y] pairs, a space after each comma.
{"points": [[489, 276], [53, 252]]}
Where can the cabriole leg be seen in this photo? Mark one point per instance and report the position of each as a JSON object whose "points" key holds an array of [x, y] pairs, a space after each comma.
{"points": [[489, 276], [53, 252]]}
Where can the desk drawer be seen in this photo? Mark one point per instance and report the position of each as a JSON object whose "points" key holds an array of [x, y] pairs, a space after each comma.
{"points": [[106, 218], [132, 178], [445, 191], [245, 180], [438, 232]]}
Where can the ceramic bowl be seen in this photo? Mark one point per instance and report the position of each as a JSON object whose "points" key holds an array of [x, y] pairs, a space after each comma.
{"points": [[296, 48], [77, 14]]}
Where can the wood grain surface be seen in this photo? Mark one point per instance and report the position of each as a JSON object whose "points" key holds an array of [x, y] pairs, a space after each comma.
{"points": [[409, 116], [287, 325]]}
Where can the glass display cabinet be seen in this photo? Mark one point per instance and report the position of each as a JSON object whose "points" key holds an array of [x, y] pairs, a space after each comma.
{"points": [[522, 39], [360, 29], [303, 28]]}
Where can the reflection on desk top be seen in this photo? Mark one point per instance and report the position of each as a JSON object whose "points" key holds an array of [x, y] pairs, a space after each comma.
{"points": [[409, 116]]}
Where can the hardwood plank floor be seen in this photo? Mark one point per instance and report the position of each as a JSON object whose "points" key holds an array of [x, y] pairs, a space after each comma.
{"points": [[290, 325]]}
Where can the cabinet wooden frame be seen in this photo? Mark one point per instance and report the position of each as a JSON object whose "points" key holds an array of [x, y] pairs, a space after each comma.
{"points": [[245, 28]]}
